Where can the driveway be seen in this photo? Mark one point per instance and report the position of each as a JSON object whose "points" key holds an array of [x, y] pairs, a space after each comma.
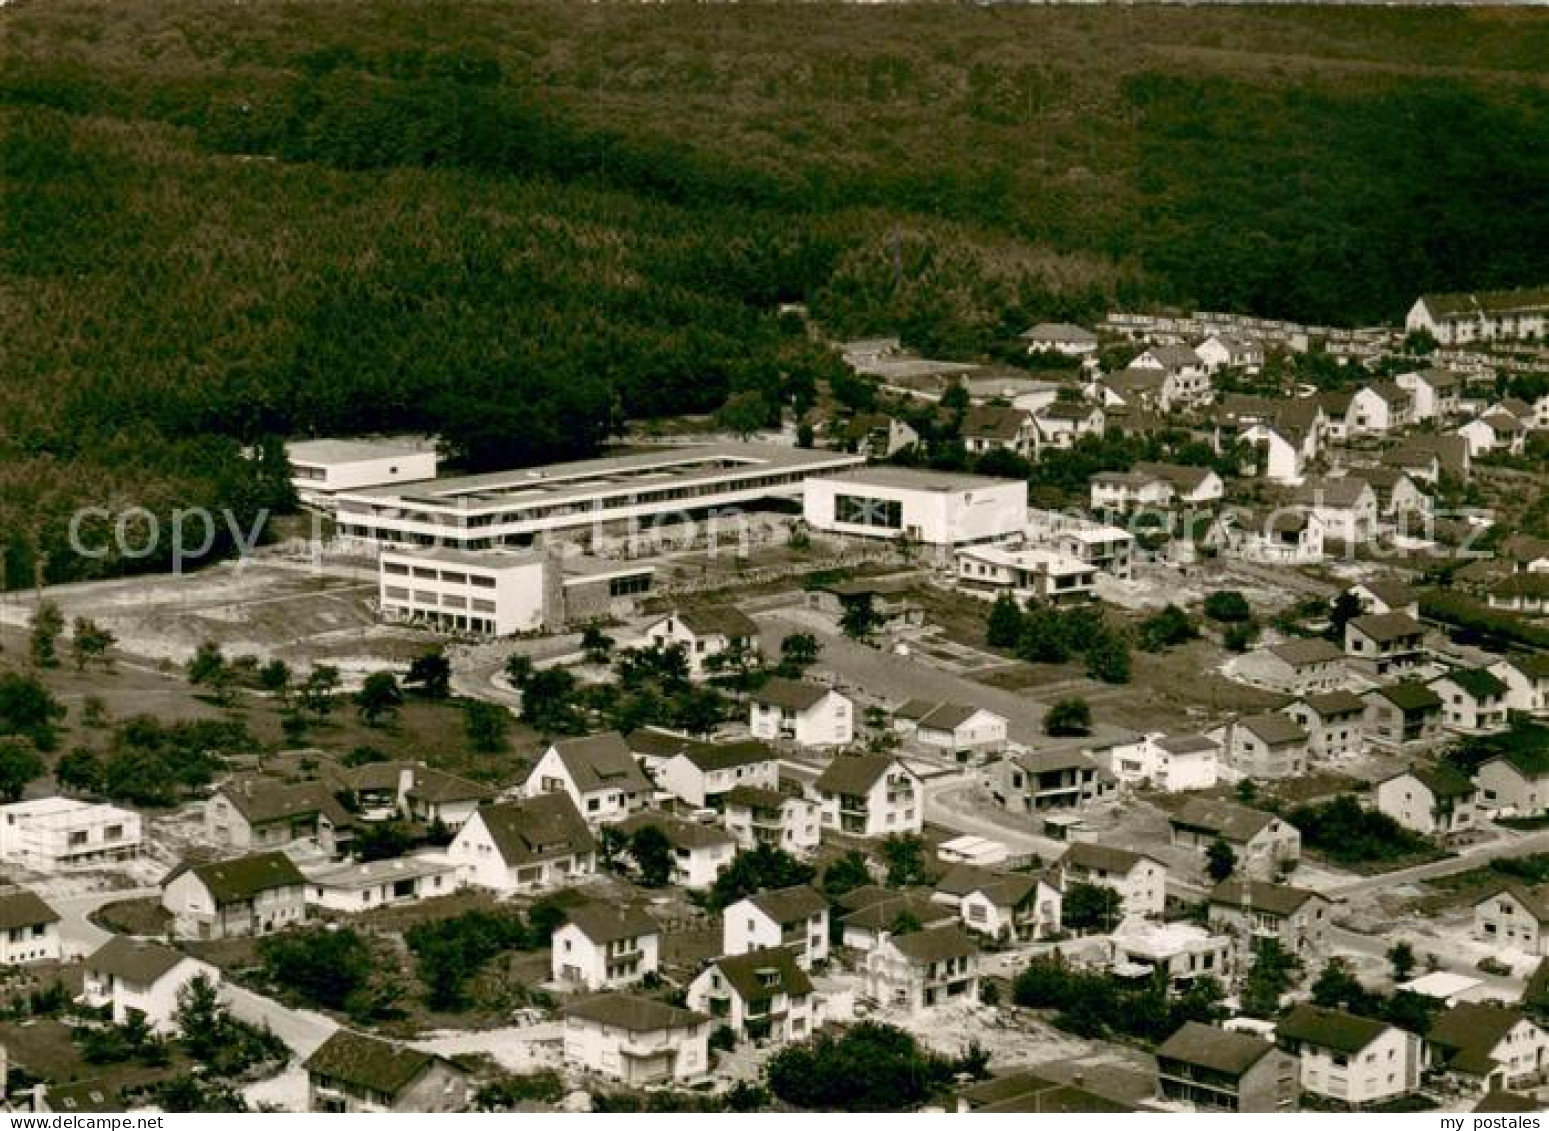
{"points": [[79, 935]]}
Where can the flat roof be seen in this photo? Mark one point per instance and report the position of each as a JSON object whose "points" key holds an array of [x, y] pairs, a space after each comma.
{"points": [[918, 479], [348, 451], [379, 871], [1052, 560], [479, 559]]}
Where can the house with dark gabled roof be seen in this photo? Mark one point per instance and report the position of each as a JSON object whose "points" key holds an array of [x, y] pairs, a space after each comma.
{"points": [[1252, 911], [133, 975], [760, 995], [1527, 682], [999, 428], [253, 813], [605, 946], [1042, 780], [808, 714], [1506, 1103], [794, 918], [1514, 916], [1520, 593], [1295, 666], [700, 851], [1025, 1093], [701, 774], [1216, 1070], [416, 792], [961, 729], [354, 1073], [870, 795], [708, 636], [637, 1040], [1352, 1060], [528, 845], [1335, 722], [1402, 715], [1515, 782], [780, 818], [597, 772], [1485, 1047], [1379, 597], [1059, 337], [1433, 391], [1346, 506], [1383, 645], [1190, 484], [1140, 880], [1473, 701], [1006, 906], [29, 929], [1434, 799], [248, 895], [871, 912], [1262, 841], [1481, 316], [1268, 746], [922, 969], [1064, 422]]}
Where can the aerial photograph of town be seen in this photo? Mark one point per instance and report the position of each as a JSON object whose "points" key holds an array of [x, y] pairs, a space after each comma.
{"points": [[773, 557]]}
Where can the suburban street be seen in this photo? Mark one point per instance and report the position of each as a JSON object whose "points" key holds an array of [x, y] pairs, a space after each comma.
{"points": [[1515, 844]]}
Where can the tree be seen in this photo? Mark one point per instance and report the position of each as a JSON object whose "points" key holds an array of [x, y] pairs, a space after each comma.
{"points": [[1068, 717], [1344, 609], [1003, 629], [798, 652], [519, 669], [846, 874], [207, 666], [905, 856], [19, 765], [485, 725], [869, 1067], [1401, 957], [596, 645], [1228, 606], [47, 624], [324, 967], [548, 702], [1166, 629], [1107, 657], [860, 618], [450, 952], [318, 690], [1091, 907], [1044, 638], [430, 674], [758, 869], [744, 413], [1220, 860], [652, 853], [1241, 636], [274, 677], [381, 840], [28, 709], [378, 696], [90, 641], [80, 770], [1336, 987], [1271, 975]]}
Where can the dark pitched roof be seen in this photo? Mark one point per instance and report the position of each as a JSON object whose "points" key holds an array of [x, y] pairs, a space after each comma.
{"points": [[1227, 820], [608, 922], [1276, 899], [537, 828], [22, 908], [1407, 695], [855, 774], [1043, 761], [602, 761], [762, 973], [994, 422], [935, 944], [1058, 332], [1188, 744], [1535, 665], [1535, 900], [756, 797], [137, 961], [1216, 1049], [1470, 1030], [1106, 857], [1329, 1028], [881, 914], [1274, 728], [368, 1063], [679, 833], [790, 694], [1478, 682], [719, 620], [1004, 889], [1441, 778], [1180, 475], [262, 801], [633, 1014], [790, 905], [1394, 594], [1522, 585], [1503, 1103], [709, 757], [1387, 626], [1469, 304], [1343, 493], [232, 881], [1332, 703]]}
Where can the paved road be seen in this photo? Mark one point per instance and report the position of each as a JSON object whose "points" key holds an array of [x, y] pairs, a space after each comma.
{"points": [[1377, 946], [78, 933], [1513, 845], [301, 1029]]}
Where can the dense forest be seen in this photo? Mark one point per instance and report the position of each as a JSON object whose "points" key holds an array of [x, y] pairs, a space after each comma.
{"points": [[520, 225]]}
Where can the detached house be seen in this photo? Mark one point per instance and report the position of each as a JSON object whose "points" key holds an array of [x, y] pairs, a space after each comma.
{"points": [[1514, 916], [138, 976], [1386, 597], [1516, 782], [525, 845], [1051, 779], [700, 852], [1188, 381], [1059, 337], [922, 969], [701, 774], [1526, 593], [1494, 431], [998, 428], [1254, 911], [1216, 1070], [1140, 880], [353, 1073], [708, 636], [1267, 746], [598, 773], [755, 815], [637, 1040], [1264, 843], [1434, 392], [962, 730], [1483, 1047], [1006, 906], [1473, 701], [1171, 764], [1335, 722], [1352, 1060], [1223, 351], [870, 795], [250, 895], [807, 714], [1527, 682], [1384, 644], [1197, 485], [1402, 715], [1435, 799], [252, 813], [606, 946], [795, 919], [416, 792], [29, 929], [1295, 667], [1347, 507], [760, 995], [1062, 423], [1128, 490]]}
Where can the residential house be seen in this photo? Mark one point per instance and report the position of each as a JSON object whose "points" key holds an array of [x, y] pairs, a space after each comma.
{"points": [[1263, 843], [1188, 380], [1383, 598], [1106, 548], [966, 732], [416, 792], [774, 817], [1129, 490], [251, 813], [1335, 722], [637, 1040], [793, 918], [1514, 916], [1515, 782], [1527, 682], [1402, 715], [808, 714], [1254, 911], [1044, 575], [1495, 431], [1196, 485], [892, 608], [701, 774], [870, 795], [1351, 1060], [1434, 799], [249, 895], [1180, 952], [1140, 390], [1347, 507], [605, 946], [1399, 498], [1062, 423], [1429, 457], [1481, 316], [1224, 351], [876, 434], [1484, 1047], [1473, 700], [29, 929], [1285, 537], [871, 913], [710, 637], [1217, 1070], [922, 969], [1050, 779], [526, 845], [56, 834], [760, 995], [1140, 880], [700, 852], [1526, 553], [133, 975], [1006, 906], [1433, 392], [1295, 666], [1281, 452], [1384, 644], [1526, 593], [351, 1072], [1059, 337], [354, 888], [1380, 408], [1025, 1093], [998, 428], [1269, 746], [598, 773], [1170, 763]]}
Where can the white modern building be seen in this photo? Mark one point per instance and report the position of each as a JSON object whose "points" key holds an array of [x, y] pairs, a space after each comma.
{"points": [[1171, 764], [52, 833], [321, 469], [937, 509], [604, 496], [353, 888], [29, 929], [755, 815], [1046, 575]]}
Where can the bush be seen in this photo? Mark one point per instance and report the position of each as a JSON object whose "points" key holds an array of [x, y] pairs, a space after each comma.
{"points": [[1348, 834]]}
